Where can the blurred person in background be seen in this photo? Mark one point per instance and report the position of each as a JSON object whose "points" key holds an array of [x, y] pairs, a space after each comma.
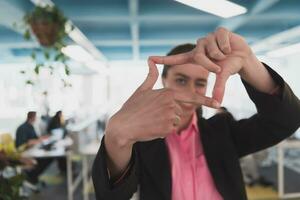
{"points": [[57, 121], [26, 133], [26, 136]]}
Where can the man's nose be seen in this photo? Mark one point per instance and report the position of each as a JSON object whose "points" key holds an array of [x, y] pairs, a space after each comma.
{"points": [[192, 89], [190, 92]]}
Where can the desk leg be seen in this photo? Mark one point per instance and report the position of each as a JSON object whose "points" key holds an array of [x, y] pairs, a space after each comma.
{"points": [[69, 176], [85, 171], [280, 168]]}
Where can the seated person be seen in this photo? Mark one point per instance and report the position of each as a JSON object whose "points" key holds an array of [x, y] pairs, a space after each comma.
{"points": [[26, 135], [57, 121], [159, 144]]}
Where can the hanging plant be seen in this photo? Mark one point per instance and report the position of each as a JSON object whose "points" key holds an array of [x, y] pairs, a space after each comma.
{"points": [[47, 24]]}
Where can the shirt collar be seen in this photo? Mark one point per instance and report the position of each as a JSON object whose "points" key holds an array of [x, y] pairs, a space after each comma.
{"points": [[192, 127]]}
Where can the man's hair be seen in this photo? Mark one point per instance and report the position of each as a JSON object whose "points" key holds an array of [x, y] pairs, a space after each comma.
{"points": [[183, 48], [31, 115], [224, 109]]}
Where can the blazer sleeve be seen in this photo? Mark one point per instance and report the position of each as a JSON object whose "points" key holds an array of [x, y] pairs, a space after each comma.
{"points": [[277, 117], [104, 189]]}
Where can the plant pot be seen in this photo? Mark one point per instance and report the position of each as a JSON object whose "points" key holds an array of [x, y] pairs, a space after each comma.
{"points": [[46, 32]]}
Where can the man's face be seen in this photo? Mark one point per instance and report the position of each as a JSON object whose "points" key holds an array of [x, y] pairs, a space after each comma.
{"points": [[33, 119], [188, 81]]}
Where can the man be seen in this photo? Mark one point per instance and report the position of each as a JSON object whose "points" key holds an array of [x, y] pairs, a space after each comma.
{"points": [[158, 143], [26, 134]]}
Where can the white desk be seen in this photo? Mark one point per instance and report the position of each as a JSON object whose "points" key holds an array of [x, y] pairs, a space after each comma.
{"points": [[57, 150], [287, 144]]}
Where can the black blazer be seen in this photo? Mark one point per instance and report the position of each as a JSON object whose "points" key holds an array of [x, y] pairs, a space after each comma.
{"points": [[224, 140]]}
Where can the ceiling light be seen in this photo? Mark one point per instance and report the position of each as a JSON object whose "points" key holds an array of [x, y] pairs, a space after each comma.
{"points": [[77, 53], [222, 8]]}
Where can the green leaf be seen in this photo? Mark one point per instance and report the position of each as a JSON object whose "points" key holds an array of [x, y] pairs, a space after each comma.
{"points": [[29, 82], [46, 54], [58, 57], [72, 27], [27, 35], [15, 25], [67, 70], [37, 69], [17, 180], [33, 55], [10, 187], [66, 84]]}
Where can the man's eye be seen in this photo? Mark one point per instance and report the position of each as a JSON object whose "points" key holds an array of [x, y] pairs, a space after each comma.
{"points": [[181, 81], [200, 84]]}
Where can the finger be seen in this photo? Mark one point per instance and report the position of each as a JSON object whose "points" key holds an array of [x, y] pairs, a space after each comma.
{"points": [[219, 87], [212, 48], [204, 61], [178, 110], [223, 40], [151, 77], [177, 59], [199, 57], [201, 100]]}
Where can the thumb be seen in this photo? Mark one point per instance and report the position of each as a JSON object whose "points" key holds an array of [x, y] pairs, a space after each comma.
{"points": [[151, 77], [219, 88]]}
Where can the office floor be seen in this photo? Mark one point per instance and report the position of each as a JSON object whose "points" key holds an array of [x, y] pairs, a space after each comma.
{"points": [[57, 188], [292, 184], [270, 193]]}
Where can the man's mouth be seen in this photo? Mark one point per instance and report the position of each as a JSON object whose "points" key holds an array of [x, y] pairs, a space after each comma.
{"points": [[187, 105]]}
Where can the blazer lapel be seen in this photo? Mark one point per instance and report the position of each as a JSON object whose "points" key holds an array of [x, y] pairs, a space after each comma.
{"points": [[156, 160], [210, 148]]}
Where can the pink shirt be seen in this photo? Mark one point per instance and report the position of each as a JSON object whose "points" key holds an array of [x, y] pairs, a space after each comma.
{"points": [[191, 178]]}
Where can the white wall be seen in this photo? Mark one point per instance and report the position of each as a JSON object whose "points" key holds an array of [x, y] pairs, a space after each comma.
{"points": [[16, 99], [89, 93], [126, 76]]}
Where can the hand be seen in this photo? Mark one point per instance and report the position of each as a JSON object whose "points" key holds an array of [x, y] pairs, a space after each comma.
{"points": [[222, 52], [33, 142], [149, 114], [44, 137]]}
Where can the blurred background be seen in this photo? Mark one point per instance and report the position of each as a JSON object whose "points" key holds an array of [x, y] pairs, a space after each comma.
{"points": [[106, 46]]}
